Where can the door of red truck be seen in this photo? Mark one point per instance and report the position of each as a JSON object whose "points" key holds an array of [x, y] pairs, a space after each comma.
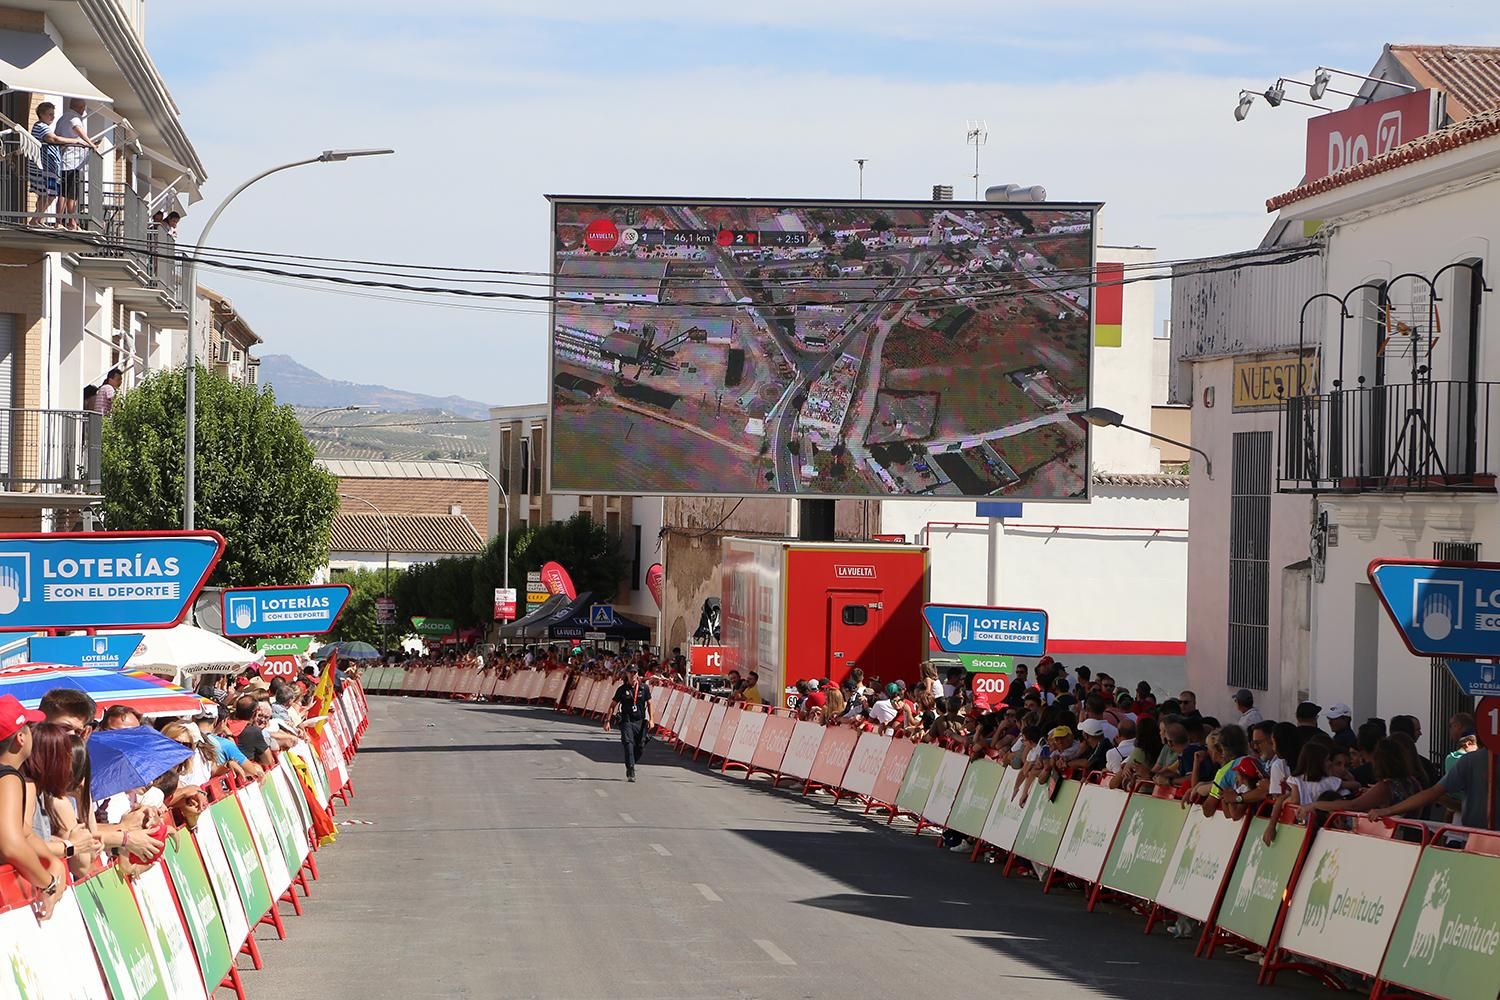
{"points": [[854, 618]]}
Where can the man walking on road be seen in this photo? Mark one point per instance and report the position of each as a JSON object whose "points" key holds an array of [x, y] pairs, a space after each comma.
{"points": [[634, 709]]}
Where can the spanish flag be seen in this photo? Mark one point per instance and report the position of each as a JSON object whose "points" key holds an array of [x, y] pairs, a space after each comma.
{"points": [[324, 691]]}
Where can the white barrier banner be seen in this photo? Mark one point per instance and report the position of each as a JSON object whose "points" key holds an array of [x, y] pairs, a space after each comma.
{"points": [[1348, 897], [1004, 820], [802, 750], [1202, 860], [864, 765], [697, 719], [950, 774], [51, 959], [263, 831], [709, 740], [680, 715], [1091, 827], [167, 937], [221, 877], [747, 736]]}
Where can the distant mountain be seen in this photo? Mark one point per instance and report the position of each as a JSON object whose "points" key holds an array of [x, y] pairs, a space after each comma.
{"points": [[299, 385]]}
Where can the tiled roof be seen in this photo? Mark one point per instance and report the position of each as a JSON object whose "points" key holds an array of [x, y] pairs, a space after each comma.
{"points": [[1480, 126], [417, 496], [409, 533], [1468, 74], [1157, 479], [361, 469]]}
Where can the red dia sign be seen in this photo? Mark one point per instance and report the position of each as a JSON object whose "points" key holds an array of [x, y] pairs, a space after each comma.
{"points": [[1345, 138], [601, 236]]}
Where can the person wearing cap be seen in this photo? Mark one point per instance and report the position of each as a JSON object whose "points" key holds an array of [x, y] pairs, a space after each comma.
{"points": [[885, 710], [633, 706], [1244, 703], [1097, 743], [815, 705], [20, 847], [1339, 722]]}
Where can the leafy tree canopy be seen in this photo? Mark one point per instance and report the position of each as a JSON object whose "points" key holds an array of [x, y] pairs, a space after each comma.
{"points": [[257, 483]]}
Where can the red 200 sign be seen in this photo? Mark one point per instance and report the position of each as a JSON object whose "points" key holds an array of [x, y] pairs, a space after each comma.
{"points": [[992, 686], [283, 667]]}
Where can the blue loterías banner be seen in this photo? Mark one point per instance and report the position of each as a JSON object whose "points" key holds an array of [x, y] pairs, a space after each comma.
{"points": [[102, 579], [254, 611]]}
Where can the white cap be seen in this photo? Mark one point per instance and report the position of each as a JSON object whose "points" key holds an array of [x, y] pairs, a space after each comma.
{"points": [[812, 685], [1339, 711], [1092, 727]]}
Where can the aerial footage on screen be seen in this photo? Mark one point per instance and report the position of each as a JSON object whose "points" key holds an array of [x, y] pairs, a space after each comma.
{"points": [[856, 349]]}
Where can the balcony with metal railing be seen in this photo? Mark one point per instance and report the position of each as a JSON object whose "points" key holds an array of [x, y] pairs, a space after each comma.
{"points": [[137, 256], [51, 454], [1419, 436], [41, 207]]}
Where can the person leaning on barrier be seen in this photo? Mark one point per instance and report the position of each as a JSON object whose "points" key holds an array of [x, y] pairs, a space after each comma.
{"points": [[632, 703]]}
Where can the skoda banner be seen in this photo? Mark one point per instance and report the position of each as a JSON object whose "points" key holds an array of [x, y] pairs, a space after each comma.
{"points": [[115, 579]]}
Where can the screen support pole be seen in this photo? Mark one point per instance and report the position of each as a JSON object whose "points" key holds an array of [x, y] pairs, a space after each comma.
{"points": [[815, 520]]}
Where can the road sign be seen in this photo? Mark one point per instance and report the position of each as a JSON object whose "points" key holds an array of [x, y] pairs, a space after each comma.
{"points": [[1447, 609], [280, 667], [1487, 724], [385, 611], [992, 686], [290, 645], [283, 610], [102, 652], [103, 579], [601, 615], [986, 663], [963, 628], [505, 604], [595, 635], [432, 626], [1477, 678]]}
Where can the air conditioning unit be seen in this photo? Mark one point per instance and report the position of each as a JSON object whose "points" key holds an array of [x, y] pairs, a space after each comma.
{"points": [[224, 349]]}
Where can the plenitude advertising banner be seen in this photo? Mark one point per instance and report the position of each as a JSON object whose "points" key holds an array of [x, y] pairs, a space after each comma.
{"points": [[726, 347], [1258, 884], [1200, 863], [976, 793], [1046, 818], [1448, 936], [1091, 828], [196, 894], [119, 935], [1144, 845], [921, 773]]}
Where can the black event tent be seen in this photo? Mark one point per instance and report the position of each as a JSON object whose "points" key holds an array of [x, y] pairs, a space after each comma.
{"points": [[522, 627]]}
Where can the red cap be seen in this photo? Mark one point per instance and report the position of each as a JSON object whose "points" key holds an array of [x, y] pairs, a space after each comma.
{"points": [[13, 716]]}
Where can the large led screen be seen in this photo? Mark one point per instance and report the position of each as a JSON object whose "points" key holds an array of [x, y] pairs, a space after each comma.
{"points": [[820, 349]]}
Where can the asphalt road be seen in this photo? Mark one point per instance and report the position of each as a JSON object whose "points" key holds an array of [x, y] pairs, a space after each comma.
{"points": [[506, 856]]}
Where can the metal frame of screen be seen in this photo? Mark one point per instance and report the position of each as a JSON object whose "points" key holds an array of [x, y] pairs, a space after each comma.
{"points": [[554, 201]]}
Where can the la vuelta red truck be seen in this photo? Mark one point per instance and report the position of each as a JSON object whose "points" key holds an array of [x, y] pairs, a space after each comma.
{"points": [[795, 610]]}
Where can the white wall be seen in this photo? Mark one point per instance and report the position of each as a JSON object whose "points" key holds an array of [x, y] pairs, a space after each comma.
{"points": [[1208, 560], [1123, 375]]}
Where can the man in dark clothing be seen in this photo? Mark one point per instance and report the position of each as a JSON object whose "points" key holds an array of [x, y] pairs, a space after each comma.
{"points": [[250, 738], [632, 702]]}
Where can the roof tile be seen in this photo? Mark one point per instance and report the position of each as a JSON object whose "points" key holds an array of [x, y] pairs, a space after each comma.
{"points": [[408, 533]]}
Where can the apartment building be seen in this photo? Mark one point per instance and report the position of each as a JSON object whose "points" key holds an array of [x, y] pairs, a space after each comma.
{"points": [[225, 338], [89, 278]]}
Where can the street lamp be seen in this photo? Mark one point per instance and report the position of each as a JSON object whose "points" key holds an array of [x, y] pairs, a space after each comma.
{"points": [[1099, 416], [506, 497], [385, 629], [190, 284]]}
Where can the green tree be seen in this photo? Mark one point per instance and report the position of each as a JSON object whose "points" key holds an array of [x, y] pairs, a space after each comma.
{"points": [[581, 545], [358, 622], [257, 483]]}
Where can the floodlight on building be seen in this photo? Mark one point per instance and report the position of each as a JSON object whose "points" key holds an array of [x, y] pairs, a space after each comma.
{"points": [[1242, 110], [1322, 75], [1015, 192]]}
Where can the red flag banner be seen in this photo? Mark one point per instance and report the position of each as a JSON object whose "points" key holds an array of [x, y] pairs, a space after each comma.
{"points": [[557, 580], [655, 578]]}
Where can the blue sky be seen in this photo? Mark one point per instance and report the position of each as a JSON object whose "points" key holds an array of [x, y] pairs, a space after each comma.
{"points": [[491, 105]]}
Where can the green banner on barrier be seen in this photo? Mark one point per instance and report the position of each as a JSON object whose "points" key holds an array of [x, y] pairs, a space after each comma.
{"points": [[204, 923], [975, 794], [1143, 845], [1044, 822], [119, 936], [233, 832], [916, 786], [1260, 878], [288, 824], [1448, 938]]}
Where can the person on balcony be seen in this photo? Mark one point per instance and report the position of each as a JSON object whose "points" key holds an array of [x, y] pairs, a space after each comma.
{"points": [[45, 180], [75, 158], [104, 399]]}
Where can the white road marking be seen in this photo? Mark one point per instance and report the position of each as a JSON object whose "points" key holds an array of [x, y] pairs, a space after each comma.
{"points": [[627, 818], [714, 897], [600, 792], [661, 850], [777, 955]]}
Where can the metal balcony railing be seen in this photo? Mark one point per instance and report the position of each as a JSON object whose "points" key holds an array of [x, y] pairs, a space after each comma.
{"points": [[50, 451], [1423, 436], [130, 233], [29, 196]]}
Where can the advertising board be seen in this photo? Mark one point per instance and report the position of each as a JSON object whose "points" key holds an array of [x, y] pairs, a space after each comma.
{"points": [[820, 348]]}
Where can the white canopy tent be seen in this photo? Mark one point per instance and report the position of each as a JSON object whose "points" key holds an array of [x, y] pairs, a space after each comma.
{"points": [[185, 651]]}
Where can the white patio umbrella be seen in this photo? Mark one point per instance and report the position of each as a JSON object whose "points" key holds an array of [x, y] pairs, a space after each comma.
{"points": [[185, 651]]}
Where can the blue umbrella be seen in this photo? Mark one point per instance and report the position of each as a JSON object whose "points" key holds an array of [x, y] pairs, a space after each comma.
{"points": [[348, 651], [122, 759]]}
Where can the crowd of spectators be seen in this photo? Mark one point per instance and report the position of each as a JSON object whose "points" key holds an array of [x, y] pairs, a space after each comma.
{"points": [[51, 825]]}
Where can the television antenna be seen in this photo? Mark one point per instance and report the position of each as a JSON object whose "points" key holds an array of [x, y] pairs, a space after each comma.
{"points": [[977, 134]]}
